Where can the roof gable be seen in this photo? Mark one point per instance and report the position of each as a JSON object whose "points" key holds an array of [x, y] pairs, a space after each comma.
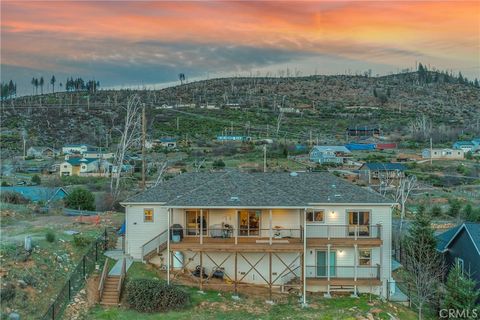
{"points": [[446, 238]]}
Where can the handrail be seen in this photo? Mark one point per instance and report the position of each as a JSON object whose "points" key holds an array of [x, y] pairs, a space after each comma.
{"points": [[151, 241], [122, 277], [102, 278]]}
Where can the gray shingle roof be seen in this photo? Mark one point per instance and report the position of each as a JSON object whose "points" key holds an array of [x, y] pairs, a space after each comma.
{"points": [[239, 189]]}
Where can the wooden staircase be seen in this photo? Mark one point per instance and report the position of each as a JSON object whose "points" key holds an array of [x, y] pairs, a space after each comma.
{"points": [[110, 287], [111, 294]]}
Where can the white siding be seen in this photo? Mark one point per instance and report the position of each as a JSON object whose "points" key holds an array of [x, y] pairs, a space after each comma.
{"points": [[139, 232]]}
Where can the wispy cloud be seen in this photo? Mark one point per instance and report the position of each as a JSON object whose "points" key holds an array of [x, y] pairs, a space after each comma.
{"points": [[127, 42]]}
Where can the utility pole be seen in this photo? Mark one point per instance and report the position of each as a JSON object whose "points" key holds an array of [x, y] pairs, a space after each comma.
{"points": [[431, 150], [264, 158], [143, 146], [310, 141], [178, 124]]}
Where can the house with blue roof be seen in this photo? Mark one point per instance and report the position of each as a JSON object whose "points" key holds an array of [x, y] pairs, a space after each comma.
{"points": [[329, 154], [466, 146], [38, 193], [461, 245], [381, 171]]}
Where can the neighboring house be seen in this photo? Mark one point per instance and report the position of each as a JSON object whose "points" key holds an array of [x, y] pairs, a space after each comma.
{"points": [[234, 138], [309, 231], [168, 142], [466, 146], [98, 153], [75, 148], [461, 245], [445, 154], [363, 131], [41, 152], [329, 154], [38, 193], [378, 171], [85, 167]]}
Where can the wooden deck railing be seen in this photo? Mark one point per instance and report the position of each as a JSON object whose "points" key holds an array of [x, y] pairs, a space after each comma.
{"points": [[103, 277]]}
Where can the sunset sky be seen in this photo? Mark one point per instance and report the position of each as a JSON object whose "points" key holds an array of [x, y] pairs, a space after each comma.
{"points": [[142, 43]]}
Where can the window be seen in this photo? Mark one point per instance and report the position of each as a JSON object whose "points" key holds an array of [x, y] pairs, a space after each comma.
{"points": [[316, 216], [365, 257], [147, 215], [460, 263], [359, 220]]}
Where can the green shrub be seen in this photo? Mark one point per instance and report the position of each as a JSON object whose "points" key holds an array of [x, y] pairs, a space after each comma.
{"points": [[30, 280], [436, 211], [218, 164], [149, 295], [81, 241], [5, 184], [50, 236], [36, 179], [80, 199], [8, 292]]}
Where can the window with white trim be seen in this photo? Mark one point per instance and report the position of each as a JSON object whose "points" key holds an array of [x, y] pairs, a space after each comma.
{"points": [[316, 216], [147, 215], [365, 257], [460, 263]]}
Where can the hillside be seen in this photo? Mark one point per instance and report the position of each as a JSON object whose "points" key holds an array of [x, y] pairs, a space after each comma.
{"points": [[326, 106]]}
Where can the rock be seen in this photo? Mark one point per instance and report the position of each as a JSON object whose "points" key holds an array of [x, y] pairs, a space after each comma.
{"points": [[376, 311], [370, 316], [22, 284], [13, 316]]}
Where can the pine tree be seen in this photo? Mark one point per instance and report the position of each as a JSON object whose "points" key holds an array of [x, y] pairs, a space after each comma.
{"points": [[423, 262], [41, 82], [52, 82], [460, 290]]}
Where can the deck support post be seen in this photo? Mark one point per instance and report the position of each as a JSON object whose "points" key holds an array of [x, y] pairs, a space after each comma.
{"points": [[270, 227], [236, 277], [201, 272], [168, 245]]}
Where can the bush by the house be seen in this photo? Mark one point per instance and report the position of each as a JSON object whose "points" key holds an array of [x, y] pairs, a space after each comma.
{"points": [[149, 295], [218, 164], [80, 199], [13, 197], [50, 236], [80, 240], [36, 179], [8, 292]]}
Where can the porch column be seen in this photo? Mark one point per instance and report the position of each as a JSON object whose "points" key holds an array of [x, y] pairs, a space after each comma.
{"points": [[168, 246], [201, 270], [270, 226], [328, 268], [236, 229], [236, 274], [328, 261], [304, 257], [355, 261], [201, 227]]}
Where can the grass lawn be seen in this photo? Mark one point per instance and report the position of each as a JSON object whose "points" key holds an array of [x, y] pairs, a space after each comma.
{"points": [[216, 305]]}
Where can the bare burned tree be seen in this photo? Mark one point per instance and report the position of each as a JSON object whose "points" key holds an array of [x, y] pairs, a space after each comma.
{"points": [[402, 192], [130, 135], [279, 122]]}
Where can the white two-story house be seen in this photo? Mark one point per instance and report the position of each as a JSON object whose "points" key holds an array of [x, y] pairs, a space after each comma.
{"points": [[308, 231]]}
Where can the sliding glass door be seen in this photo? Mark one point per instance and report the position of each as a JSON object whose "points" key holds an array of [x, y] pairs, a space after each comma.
{"points": [[194, 222], [249, 222], [322, 263]]}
